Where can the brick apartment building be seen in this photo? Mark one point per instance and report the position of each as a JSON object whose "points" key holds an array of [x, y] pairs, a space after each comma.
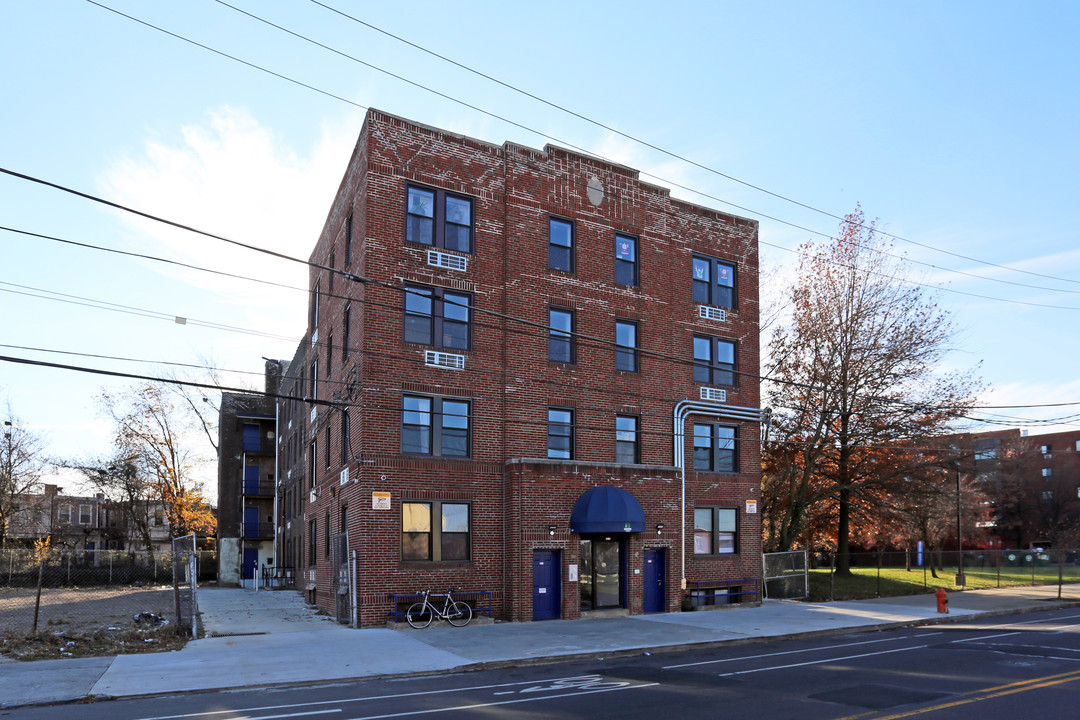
{"points": [[535, 382], [87, 522], [1033, 482], [247, 482]]}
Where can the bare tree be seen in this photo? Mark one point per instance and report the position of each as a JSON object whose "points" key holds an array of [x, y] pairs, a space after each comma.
{"points": [[22, 462], [160, 439], [853, 373], [118, 478]]}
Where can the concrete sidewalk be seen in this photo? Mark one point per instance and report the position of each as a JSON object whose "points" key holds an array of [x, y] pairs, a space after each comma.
{"points": [[249, 633]]}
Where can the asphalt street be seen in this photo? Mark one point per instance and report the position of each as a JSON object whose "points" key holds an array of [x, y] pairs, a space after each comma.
{"points": [[1024, 666]]}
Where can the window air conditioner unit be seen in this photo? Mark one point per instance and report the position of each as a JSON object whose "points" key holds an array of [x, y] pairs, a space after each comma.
{"points": [[712, 313], [446, 260], [433, 358], [713, 394]]}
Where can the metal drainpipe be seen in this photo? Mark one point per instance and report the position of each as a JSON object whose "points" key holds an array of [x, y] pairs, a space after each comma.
{"points": [[683, 410], [277, 481]]}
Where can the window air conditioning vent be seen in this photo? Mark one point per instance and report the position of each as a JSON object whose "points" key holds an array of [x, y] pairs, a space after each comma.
{"points": [[712, 313], [446, 260], [444, 360], [713, 394]]}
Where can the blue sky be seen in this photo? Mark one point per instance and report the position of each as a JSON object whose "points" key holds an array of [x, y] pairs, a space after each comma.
{"points": [[954, 123]]}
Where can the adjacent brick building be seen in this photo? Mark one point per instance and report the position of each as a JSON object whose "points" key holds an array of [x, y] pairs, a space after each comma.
{"points": [[247, 482], [1033, 483], [535, 375]]}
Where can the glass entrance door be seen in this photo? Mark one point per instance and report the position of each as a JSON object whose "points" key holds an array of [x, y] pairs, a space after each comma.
{"points": [[601, 573]]}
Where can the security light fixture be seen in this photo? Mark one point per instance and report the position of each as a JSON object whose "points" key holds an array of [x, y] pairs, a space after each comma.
{"points": [[551, 530], [659, 528]]}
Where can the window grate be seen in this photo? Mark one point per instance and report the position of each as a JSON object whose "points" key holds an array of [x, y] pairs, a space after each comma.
{"points": [[712, 313], [714, 394], [446, 260], [433, 358], [344, 477]]}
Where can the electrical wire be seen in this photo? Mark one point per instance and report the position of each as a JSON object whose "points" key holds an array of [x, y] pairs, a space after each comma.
{"points": [[587, 152], [669, 153]]}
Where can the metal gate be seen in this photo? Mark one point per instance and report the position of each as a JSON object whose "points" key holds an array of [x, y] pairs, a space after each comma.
{"points": [[786, 574], [339, 556], [186, 583]]}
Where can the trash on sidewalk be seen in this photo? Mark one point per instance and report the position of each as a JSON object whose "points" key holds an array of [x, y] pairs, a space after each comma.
{"points": [[150, 618]]}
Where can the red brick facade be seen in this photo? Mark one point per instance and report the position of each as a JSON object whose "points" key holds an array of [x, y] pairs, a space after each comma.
{"points": [[518, 499]]}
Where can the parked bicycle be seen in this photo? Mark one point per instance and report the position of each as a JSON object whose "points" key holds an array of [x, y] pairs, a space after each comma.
{"points": [[455, 612]]}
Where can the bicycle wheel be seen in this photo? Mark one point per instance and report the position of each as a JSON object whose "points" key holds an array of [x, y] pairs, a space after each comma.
{"points": [[459, 614], [419, 615]]}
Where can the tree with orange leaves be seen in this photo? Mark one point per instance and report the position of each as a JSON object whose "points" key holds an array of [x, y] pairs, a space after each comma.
{"points": [[853, 378], [159, 439]]}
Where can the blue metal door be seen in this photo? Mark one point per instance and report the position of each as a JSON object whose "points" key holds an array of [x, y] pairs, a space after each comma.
{"points": [[251, 522], [250, 564], [655, 590], [547, 590]]}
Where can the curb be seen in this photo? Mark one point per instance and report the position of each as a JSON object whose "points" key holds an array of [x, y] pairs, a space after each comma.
{"points": [[480, 666]]}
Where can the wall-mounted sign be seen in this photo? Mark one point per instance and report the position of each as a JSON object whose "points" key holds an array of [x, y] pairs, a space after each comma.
{"points": [[380, 501], [571, 575], [751, 506]]}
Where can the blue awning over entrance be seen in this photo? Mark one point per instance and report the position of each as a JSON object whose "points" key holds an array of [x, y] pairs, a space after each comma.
{"points": [[607, 509]]}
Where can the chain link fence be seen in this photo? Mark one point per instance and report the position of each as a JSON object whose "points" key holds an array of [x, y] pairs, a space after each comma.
{"points": [[786, 574], [878, 573], [86, 591]]}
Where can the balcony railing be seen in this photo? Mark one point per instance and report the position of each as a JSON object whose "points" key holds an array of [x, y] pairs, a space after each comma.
{"points": [[257, 530], [258, 487]]}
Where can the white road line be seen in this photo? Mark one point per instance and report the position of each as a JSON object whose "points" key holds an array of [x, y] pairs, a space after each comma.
{"points": [[787, 652], [819, 662], [315, 703], [288, 715], [983, 637], [478, 706]]}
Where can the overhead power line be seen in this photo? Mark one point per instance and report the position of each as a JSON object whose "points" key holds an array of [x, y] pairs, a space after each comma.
{"points": [[588, 152], [398, 288], [664, 151]]}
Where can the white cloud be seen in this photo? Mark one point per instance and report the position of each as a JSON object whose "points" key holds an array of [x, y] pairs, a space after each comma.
{"points": [[231, 176]]}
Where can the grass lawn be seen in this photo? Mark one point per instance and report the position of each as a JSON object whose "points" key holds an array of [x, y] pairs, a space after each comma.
{"points": [[864, 582]]}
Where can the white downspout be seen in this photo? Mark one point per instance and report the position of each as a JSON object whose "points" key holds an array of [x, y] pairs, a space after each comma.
{"points": [[683, 410]]}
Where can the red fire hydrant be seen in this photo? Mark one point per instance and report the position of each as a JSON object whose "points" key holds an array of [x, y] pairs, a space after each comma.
{"points": [[942, 600]]}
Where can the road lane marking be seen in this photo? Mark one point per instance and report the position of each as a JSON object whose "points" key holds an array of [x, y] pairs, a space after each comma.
{"points": [[480, 706], [394, 696], [822, 661], [989, 693], [789, 652], [983, 637], [288, 715]]}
